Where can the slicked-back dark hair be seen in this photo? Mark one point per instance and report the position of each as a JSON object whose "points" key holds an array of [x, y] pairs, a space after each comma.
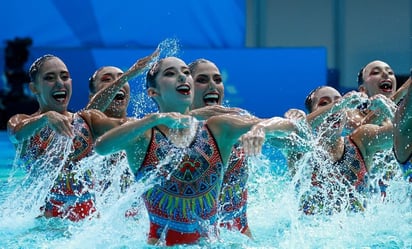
{"points": [[37, 64]]}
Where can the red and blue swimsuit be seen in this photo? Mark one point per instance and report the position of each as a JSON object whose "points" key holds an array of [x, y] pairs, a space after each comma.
{"points": [[183, 202], [72, 194]]}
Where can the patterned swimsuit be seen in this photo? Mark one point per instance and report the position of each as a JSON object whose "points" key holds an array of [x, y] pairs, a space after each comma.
{"points": [[70, 196], [331, 190], [233, 197], [407, 169], [183, 203]]}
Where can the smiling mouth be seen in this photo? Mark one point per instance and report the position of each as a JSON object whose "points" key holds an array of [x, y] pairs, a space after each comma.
{"points": [[386, 86], [60, 96], [211, 99], [183, 89], [334, 121], [120, 95]]}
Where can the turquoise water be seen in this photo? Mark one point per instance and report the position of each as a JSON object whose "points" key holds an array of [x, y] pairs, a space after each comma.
{"points": [[273, 214]]}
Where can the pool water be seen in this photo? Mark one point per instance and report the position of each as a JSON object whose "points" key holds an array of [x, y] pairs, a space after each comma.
{"points": [[273, 215]]}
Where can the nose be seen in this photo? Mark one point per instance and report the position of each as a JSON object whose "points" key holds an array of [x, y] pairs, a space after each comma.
{"points": [[385, 74], [212, 84], [59, 81], [182, 78]]}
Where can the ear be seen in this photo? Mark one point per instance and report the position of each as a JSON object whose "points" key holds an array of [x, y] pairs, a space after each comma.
{"points": [[152, 92], [33, 88]]}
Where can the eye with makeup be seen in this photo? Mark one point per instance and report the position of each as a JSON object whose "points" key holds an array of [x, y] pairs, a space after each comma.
{"points": [[324, 103], [65, 76], [217, 79], [186, 72], [107, 78], [375, 72], [169, 73], [49, 77], [202, 79]]}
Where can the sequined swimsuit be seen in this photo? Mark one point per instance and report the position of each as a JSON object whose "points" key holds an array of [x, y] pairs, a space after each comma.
{"points": [[233, 196], [328, 190], [182, 204], [406, 168], [71, 195]]}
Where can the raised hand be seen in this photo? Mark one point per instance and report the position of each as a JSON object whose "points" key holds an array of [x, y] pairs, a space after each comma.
{"points": [[140, 66]]}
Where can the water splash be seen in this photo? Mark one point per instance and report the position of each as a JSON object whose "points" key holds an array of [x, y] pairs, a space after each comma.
{"points": [[141, 103], [169, 47], [273, 212]]}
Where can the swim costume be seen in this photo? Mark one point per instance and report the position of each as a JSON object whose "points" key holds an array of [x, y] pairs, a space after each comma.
{"points": [[233, 196], [109, 165], [407, 170], [352, 165], [182, 204], [331, 190], [70, 196]]}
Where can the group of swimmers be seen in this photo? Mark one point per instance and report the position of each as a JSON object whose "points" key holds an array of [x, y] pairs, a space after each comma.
{"points": [[193, 152]]}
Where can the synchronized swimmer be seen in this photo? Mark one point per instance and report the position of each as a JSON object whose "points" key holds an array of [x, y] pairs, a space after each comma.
{"points": [[193, 152]]}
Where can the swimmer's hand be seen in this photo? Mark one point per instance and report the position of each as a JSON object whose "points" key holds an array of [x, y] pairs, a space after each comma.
{"points": [[210, 111], [381, 104], [253, 140], [174, 120], [60, 123], [295, 114], [353, 99], [140, 65]]}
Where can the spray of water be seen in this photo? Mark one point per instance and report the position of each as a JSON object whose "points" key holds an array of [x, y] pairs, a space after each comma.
{"points": [[140, 101]]}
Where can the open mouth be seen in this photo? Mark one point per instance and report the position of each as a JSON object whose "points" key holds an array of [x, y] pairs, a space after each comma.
{"points": [[334, 121], [120, 95], [386, 86], [60, 96], [211, 99], [183, 89]]}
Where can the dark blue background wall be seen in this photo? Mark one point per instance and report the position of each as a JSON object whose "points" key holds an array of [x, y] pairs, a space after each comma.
{"points": [[88, 34]]}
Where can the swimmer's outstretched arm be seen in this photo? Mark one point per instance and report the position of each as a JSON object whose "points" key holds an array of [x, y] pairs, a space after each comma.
{"points": [[403, 128], [382, 110], [402, 91], [371, 138], [20, 127], [210, 111], [133, 131], [102, 99], [276, 131], [349, 100]]}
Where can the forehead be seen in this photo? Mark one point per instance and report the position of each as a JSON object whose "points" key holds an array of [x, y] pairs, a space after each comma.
{"points": [[172, 62], [53, 64], [327, 92], [206, 67], [376, 64], [109, 70]]}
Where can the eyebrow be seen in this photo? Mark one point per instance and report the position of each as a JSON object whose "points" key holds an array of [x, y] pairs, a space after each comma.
{"points": [[174, 68]]}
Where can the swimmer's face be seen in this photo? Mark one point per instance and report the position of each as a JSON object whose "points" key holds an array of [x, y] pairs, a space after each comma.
{"points": [[209, 89], [324, 96], [52, 86], [174, 86], [378, 78], [105, 77], [333, 124]]}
